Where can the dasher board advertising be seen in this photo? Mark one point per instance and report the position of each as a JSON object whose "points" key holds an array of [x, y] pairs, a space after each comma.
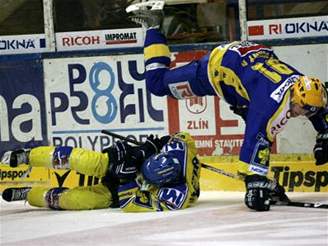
{"points": [[288, 28]]}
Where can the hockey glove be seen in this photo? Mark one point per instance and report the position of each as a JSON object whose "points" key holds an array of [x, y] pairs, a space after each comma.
{"points": [[320, 149], [151, 146], [122, 163], [258, 190], [124, 160]]}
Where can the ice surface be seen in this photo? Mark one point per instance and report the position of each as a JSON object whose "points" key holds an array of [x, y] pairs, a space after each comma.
{"points": [[219, 218]]}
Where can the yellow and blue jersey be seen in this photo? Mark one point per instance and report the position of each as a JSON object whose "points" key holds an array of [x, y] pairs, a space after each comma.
{"points": [[133, 197], [245, 75]]}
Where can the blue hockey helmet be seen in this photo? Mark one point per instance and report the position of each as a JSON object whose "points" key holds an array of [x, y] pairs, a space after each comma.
{"points": [[162, 169]]}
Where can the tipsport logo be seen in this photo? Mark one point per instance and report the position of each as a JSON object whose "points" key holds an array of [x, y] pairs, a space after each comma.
{"points": [[12, 174], [89, 93], [291, 179]]}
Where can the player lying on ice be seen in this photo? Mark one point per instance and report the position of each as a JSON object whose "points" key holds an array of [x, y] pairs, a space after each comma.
{"points": [[162, 174], [263, 90]]}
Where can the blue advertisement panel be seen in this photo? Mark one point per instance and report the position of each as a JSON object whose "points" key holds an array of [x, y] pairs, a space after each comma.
{"points": [[22, 103]]}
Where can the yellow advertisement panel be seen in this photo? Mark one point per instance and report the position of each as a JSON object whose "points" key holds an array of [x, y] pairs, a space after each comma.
{"points": [[39, 176], [294, 172], [22, 176]]}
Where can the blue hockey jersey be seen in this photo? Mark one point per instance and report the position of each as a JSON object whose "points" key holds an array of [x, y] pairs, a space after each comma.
{"points": [[246, 75]]}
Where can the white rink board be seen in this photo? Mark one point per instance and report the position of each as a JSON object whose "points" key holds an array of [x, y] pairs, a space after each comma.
{"points": [[86, 95], [297, 137]]}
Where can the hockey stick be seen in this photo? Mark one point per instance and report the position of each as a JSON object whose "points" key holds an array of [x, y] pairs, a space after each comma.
{"points": [[289, 203], [114, 135], [211, 168], [303, 204], [228, 174], [223, 172]]}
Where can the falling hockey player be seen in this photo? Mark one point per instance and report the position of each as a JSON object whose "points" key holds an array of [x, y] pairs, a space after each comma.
{"points": [[263, 90], [161, 174]]}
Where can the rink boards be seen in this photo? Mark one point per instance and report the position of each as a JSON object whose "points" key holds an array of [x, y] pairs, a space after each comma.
{"points": [[68, 98], [295, 172]]}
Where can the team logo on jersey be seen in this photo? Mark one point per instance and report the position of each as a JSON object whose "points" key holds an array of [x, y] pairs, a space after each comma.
{"points": [[181, 90], [278, 94]]}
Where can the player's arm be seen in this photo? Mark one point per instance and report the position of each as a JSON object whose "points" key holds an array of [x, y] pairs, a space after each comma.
{"points": [[320, 123], [125, 160], [182, 82], [133, 198]]}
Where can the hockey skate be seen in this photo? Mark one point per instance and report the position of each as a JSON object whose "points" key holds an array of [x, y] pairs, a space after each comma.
{"points": [[16, 157], [15, 194], [149, 14]]}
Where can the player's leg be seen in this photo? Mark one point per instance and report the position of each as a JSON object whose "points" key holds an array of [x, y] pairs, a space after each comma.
{"points": [[63, 157], [182, 82], [81, 160], [89, 162], [79, 198], [89, 197]]}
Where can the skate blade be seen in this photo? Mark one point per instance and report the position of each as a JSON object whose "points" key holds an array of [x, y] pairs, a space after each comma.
{"points": [[150, 5]]}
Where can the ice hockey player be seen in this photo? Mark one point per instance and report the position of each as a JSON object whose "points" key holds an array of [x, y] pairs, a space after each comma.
{"points": [[162, 174], [263, 90]]}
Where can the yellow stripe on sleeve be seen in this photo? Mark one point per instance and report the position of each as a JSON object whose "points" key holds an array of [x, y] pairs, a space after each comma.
{"points": [[156, 50]]}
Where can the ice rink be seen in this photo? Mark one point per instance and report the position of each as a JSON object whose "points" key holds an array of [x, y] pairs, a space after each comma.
{"points": [[219, 218]]}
